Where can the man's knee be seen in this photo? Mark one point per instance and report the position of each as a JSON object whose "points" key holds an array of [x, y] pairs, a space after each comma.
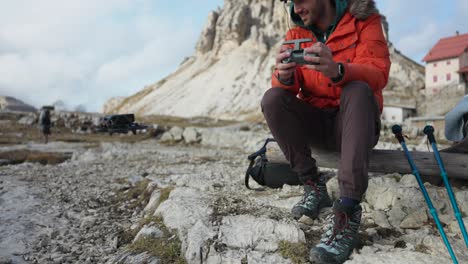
{"points": [[356, 89], [273, 97]]}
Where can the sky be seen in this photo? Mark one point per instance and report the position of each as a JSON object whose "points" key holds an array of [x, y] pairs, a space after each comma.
{"points": [[84, 52]]}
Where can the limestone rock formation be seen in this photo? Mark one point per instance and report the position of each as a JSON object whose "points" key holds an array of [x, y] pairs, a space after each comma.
{"points": [[112, 104], [8, 103], [406, 80], [232, 66]]}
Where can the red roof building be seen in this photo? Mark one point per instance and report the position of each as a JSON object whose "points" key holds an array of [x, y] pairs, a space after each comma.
{"points": [[447, 64], [451, 47]]}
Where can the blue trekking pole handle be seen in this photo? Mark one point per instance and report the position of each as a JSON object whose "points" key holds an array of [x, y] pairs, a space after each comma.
{"points": [[397, 131], [429, 131]]}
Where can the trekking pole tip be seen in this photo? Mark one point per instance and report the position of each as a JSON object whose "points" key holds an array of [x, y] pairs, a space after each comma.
{"points": [[428, 130]]}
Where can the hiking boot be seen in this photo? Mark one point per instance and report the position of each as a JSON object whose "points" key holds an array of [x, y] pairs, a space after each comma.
{"points": [[315, 198], [341, 236]]}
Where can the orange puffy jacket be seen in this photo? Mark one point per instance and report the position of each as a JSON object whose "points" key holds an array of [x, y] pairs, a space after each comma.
{"points": [[360, 45]]}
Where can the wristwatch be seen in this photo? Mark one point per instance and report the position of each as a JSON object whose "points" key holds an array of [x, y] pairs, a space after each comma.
{"points": [[341, 72]]}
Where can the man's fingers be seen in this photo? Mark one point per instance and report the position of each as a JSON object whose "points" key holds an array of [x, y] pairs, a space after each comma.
{"points": [[284, 48], [286, 66], [321, 50], [282, 56], [312, 49], [313, 59], [320, 68]]}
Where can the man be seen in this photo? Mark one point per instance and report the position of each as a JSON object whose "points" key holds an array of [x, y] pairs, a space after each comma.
{"points": [[456, 121], [335, 104], [44, 123]]}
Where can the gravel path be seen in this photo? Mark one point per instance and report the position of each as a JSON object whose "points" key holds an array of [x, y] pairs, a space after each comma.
{"points": [[81, 210]]}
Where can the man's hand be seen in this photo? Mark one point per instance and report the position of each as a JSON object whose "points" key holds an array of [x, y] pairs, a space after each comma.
{"points": [[285, 70], [327, 65]]}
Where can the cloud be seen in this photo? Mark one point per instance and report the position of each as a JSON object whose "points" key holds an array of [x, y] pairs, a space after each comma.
{"points": [[161, 47], [417, 25], [84, 52]]}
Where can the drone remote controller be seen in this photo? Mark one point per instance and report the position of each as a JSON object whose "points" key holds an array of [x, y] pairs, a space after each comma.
{"points": [[298, 54]]}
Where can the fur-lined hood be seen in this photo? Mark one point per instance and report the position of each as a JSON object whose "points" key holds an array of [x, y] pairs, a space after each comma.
{"points": [[362, 9]]}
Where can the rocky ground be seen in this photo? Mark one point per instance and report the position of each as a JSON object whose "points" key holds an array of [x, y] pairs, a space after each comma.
{"points": [[152, 202]]}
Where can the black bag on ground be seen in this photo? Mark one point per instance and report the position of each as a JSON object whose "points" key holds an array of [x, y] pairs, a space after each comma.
{"points": [[270, 174]]}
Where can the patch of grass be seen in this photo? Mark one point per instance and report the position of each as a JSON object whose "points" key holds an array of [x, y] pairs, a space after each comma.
{"points": [[20, 156], [127, 236], [167, 248], [165, 192], [296, 252], [184, 122], [151, 219], [421, 248], [15, 133], [138, 193], [169, 252]]}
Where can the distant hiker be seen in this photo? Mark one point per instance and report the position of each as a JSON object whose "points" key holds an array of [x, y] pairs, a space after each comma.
{"points": [[45, 123], [333, 105], [456, 121]]}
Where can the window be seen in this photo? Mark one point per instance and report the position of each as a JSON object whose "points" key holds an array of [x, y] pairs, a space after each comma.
{"points": [[449, 77], [434, 79], [449, 62]]}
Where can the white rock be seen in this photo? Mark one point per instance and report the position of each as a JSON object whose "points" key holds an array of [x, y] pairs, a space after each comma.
{"points": [[247, 231], [380, 219], [134, 179], [366, 208], [395, 256], [256, 257], [87, 222], [227, 257], [415, 219], [184, 208], [232, 137], [409, 180], [454, 227], [191, 135], [395, 216], [129, 258], [148, 232], [176, 133], [196, 242], [462, 200], [379, 194], [153, 202], [166, 137]]}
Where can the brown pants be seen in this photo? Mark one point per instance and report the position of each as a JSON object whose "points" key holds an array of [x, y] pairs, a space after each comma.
{"points": [[353, 130]]}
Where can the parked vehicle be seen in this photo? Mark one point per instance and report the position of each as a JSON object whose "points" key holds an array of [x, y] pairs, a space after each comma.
{"points": [[119, 124]]}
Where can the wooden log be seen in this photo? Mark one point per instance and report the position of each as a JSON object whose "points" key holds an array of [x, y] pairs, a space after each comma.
{"points": [[394, 161]]}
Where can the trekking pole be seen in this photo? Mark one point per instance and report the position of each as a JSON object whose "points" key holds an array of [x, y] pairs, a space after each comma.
{"points": [[429, 131], [396, 129]]}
